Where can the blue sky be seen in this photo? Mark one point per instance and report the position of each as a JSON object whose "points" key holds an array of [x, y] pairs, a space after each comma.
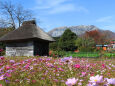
{"points": [[57, 13]]}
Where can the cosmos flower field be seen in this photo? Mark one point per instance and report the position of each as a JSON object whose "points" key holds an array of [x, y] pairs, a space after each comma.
{"points": [[49, 71]]}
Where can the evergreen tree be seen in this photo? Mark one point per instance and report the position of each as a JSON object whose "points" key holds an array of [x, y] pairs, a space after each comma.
{"points": [[67, 41]]}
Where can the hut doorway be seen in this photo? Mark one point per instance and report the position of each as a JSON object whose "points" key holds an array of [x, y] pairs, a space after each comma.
{"points": [[41, 48]]}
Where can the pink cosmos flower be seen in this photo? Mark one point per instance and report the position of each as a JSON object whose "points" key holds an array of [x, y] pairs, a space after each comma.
{"points": [[60, 69], [1, 50], [49, 64], [7, 67], [66, 59], [96, 79], [7, 74], [71, 81], [33, 81], [26, 66], [79, 84], [12, 61], [83, 74], [77, 66], [2, 58], [111, 81], [103, 65], [1, 64], [92, 84], [34, 59]]}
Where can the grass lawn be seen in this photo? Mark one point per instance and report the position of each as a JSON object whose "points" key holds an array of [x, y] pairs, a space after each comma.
{"points": [[49, 71], [84, 54]]}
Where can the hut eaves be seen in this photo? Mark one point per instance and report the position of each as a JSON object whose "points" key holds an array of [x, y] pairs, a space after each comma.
{"points": [[28, 30]]}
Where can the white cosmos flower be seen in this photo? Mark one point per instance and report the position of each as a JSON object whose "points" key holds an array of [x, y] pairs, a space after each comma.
{"points": [[71, 81], [96, 79]]}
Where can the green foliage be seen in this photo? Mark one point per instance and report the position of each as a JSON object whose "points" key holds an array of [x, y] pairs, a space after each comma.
{"points": [[109, 55], [58, 53], [54, 45], [2, 46], [86, 49], [85, 44], [4, 31], [82, 54], [74, 54], [67, 41]]}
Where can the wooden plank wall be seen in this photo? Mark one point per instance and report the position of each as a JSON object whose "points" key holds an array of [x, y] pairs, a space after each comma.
{"points": [[20, 49]]}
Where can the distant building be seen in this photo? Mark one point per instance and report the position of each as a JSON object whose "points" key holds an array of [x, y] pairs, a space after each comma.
{"points": [[27, 40], [104, 47], [112, 44]]}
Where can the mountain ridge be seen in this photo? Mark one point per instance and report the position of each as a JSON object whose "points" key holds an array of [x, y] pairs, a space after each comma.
{"points": [[56, 32], [79, 30]]}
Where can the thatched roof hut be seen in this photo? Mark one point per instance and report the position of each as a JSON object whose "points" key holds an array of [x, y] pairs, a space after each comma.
{"points": [[27, 39], [28, 30]]}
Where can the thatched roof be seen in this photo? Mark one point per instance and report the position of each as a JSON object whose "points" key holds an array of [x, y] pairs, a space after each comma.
{"points": [[28, 30]]}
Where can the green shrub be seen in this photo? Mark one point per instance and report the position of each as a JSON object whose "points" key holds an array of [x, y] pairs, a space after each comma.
{"points": [[58, 53], [2, 53]]}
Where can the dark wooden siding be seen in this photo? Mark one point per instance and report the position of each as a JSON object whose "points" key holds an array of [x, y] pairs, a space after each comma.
{"points": [[41, 48]]}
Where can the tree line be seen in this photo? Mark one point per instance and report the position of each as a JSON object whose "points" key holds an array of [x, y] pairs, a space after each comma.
{"points": [[69, 41]]}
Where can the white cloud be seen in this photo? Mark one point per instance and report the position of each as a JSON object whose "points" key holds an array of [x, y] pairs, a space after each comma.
{"points": [[105, 19], [45, 4], [81, 8], [58, 6], [62, 9]]}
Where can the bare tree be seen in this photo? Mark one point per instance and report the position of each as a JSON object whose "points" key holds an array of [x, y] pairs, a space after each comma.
{"points": [[14, 14], [8, 11], [3, 23], [22, 15]]}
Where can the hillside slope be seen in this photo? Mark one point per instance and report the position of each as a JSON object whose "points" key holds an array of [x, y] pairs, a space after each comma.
{"points": [[76, 29], [79, 30]]}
